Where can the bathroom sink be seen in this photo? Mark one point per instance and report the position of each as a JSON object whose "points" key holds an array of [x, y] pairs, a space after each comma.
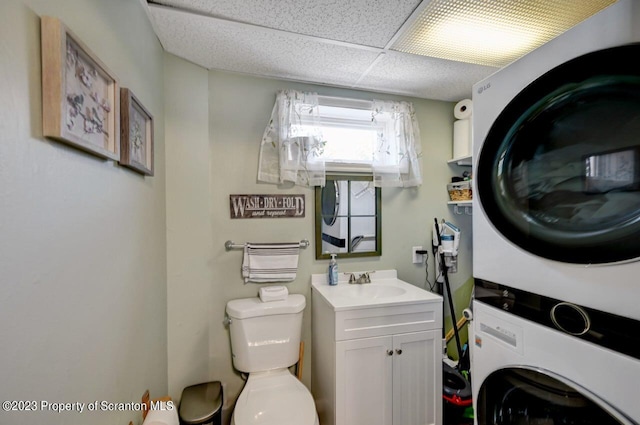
{"points": [[373, 290], [385, 289]]}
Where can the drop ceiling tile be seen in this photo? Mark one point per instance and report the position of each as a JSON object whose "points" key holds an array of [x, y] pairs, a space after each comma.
{"points": [[229, 46], [364, 22], [424, 77]]}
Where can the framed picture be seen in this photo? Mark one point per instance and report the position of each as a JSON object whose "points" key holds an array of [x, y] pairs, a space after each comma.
{"points": [[136, 134], [80, 96]]}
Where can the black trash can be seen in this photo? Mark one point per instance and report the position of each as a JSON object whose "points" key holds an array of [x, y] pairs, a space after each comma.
{"points": [[201, 404]]}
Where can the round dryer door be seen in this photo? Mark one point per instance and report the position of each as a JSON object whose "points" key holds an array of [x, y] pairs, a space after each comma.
{"points": [[526, 396], [559, 172]]}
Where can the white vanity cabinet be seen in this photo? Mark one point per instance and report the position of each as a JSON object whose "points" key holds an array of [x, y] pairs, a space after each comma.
{"points": [[376, 360], [389, 380]]}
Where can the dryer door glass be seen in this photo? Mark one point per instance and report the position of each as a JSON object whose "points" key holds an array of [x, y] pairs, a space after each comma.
{"points": [[527, 397], [559, 171]]}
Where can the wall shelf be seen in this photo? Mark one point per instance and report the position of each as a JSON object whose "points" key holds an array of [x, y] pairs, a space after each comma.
{"points": [[463, 160], [461, 207]]}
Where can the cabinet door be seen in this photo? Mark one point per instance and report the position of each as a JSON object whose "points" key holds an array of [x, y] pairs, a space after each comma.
{"points": [[363, 381], [417, 378]]}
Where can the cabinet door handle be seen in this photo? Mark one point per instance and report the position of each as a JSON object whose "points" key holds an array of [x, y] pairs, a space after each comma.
{"points": [[389, 352], [398, 351]]}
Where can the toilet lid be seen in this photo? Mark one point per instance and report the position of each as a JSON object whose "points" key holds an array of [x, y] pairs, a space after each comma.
{"points": [[274, 398]]}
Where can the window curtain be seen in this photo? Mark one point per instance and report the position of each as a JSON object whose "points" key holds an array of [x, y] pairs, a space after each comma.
{"points": [[398, 147], [292, 142]]}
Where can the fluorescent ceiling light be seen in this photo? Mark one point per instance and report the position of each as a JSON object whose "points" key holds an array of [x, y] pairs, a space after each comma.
{"points": [[491, 32]]}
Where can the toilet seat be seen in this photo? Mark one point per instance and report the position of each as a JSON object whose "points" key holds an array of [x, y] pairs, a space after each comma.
{"points": [[274, 398]]}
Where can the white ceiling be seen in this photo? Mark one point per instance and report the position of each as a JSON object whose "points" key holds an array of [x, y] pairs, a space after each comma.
{"points": [[343, 43]]}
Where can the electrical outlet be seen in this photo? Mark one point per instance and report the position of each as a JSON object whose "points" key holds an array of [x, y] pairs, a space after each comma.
{"points": [[415, 257]]}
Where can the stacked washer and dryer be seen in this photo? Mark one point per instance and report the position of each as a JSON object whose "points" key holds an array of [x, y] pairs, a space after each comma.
{"points": [[556, 230]]}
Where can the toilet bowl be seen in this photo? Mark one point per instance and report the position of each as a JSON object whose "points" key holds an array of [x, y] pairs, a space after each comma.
{"points": [[274, 397], [265, 340]]}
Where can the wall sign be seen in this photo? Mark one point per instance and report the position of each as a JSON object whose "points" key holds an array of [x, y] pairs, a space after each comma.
{"points": [[266, 206]]}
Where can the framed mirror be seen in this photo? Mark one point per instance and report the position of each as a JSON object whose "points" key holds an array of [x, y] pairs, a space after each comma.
{"points": [[348, 217]]}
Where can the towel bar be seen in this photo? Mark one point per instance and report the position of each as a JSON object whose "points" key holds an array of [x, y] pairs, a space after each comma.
{"points": [[229, 245]]}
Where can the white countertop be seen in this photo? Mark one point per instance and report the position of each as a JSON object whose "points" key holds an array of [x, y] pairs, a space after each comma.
{"points": [[385, 289]]}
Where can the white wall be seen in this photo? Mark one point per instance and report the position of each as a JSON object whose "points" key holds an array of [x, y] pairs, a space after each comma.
{"points": [[203, 277], [82, 240]]}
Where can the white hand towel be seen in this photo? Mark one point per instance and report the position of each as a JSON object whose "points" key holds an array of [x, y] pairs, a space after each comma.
{"points": [[273, 293], [274, 262]]}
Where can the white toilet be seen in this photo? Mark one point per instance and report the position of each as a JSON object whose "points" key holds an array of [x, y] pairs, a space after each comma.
{"points": [[265, 342]]}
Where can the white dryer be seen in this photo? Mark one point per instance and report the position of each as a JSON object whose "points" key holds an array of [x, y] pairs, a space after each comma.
{"points": [[556, 145], [538, 360]]}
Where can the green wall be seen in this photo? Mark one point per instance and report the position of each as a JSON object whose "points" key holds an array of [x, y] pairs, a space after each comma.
{"points": [[202, 276], [82, 240]]}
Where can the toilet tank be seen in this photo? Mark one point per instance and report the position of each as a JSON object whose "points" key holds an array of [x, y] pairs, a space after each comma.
{"points": [[265, 335]]}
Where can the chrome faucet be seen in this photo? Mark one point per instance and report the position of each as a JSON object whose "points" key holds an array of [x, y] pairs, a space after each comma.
{"points": [[363, 278]]}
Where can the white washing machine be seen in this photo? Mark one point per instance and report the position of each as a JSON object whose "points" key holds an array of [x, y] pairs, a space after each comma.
{"points": [[542, 361], [556, 146]]}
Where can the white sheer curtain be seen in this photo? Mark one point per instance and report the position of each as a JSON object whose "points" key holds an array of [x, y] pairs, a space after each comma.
{"points": [[292, 142], [398, 147]]}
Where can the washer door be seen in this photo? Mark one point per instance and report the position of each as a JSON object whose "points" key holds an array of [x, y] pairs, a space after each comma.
{"points": [[521, 396], [559, 172]]}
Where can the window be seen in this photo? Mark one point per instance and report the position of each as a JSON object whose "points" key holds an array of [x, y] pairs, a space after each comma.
{"points": [[348, 134]]}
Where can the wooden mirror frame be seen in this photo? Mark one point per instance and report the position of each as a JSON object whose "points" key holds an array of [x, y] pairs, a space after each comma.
{"points": [[320, 255]]}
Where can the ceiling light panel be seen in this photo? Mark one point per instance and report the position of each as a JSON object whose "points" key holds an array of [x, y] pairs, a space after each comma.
{"points": [[491, 32]]}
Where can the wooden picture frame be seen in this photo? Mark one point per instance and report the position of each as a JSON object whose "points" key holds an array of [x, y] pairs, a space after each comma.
{"points": [[80, 96], [136, 134]]}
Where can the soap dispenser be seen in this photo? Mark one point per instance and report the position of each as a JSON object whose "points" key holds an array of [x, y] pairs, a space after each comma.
{"points": [[333, 270]]}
